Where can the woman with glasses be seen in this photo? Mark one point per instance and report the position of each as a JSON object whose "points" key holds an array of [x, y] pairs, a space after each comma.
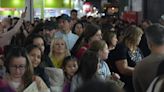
{"points": [[20, 72]]}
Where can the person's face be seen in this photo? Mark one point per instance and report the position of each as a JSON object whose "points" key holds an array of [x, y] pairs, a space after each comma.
{"points": [[73, 15], [71, 68], [17, 67], [66, 26], [78, 29], [97, 36], [104, 53], [59, 46], [48, 35], [114, 40], [145, 25], [61, 23], [35, 57], [40, 43]]}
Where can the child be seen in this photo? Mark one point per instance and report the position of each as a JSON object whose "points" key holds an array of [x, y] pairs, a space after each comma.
{"points": [[70, 66]]}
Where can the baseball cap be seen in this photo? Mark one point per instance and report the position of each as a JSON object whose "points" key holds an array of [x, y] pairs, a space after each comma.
{"points": [[65, 17]]}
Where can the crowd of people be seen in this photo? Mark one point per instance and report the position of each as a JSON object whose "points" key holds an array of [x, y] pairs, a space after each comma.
{"points": [[71, 54]]}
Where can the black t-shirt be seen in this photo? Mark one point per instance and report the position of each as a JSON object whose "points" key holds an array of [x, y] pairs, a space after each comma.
{"points": [[144, 46], [122, 52]]}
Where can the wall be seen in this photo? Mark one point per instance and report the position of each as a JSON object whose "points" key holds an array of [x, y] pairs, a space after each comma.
{"points": [[153, 9]]}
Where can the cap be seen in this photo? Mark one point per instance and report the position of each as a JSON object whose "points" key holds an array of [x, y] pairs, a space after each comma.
{"points": [[65, 17]]}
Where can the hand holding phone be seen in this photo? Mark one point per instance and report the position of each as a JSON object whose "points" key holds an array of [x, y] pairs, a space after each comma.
{"points": [[25, 9], [24, 13]]}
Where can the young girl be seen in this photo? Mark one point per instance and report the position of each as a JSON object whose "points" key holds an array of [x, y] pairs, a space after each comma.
{"points": [[70, 66], [101, 48], [87, 70]]}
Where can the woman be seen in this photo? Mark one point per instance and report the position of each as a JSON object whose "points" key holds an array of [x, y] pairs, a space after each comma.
{"points": [[101, 48], [78, 28], [20, 72], [87, 70], [110, 38], [35, 56], [58, 52], [126, 55], [39, 41], [91, 33]]}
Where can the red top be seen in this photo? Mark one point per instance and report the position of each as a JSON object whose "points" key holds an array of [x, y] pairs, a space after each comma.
{"points": [[82, 50]]}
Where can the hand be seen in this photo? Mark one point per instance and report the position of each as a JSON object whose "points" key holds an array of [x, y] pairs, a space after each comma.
{"points": [[115, 76], [23, 15]]}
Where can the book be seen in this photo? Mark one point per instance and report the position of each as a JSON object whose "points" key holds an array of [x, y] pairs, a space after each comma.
{"points": [[32, 88]]}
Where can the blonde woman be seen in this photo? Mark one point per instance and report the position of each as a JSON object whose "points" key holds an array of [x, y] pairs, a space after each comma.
{"points": [[126, 55], [58, 51]]}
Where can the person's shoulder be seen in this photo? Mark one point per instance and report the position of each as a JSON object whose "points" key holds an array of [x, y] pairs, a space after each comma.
{"points": [[142, 65], [120, 46], [59, 33], [74, 35]]}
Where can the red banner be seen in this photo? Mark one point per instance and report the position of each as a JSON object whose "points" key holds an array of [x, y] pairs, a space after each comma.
{"points": [[130, 16]]}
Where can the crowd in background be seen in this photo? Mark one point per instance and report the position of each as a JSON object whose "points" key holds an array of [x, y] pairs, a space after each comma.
{"points": [[71, 54]]}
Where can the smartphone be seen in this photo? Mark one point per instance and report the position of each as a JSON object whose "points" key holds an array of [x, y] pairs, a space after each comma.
{"points": [[25, 9]]}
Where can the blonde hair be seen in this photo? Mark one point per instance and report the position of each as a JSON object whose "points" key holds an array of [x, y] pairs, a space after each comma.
{"points": [[131, 35], [67, 52]]}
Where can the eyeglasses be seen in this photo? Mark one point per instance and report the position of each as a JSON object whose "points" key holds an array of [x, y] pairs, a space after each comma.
{"points": [[20, 67]]}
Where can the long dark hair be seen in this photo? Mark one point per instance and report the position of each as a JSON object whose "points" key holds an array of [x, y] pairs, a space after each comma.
{"points": [[108, 36], [90, 31], [74, 26], [31, 37], [88, 65]]}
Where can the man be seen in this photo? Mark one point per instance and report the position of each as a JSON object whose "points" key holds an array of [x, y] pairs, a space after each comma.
{"points": [[49, 29], [66, 32], [145, 71], [74, 17], [74, 14]]}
